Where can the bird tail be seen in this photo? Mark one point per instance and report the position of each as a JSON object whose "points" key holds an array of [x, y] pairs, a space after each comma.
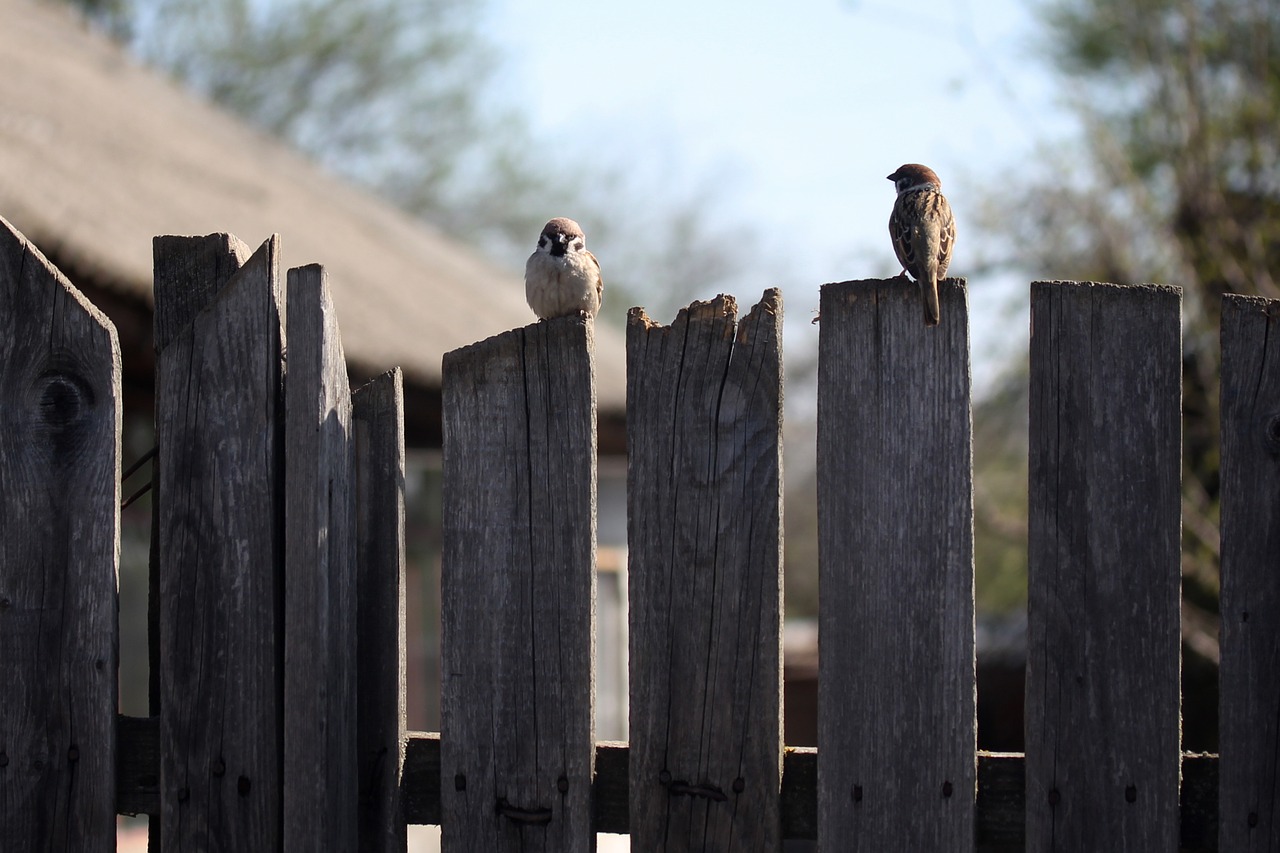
{"points": [[927, 250], [929, 296]]}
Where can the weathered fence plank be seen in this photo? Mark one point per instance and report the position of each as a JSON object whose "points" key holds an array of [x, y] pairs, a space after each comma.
{"points": [[896, 714], [1249, 692], [378, 420], [221, 505], [704, 418], [517, 590], [1103, 656], [191, 271], [320, 790], [59, 539]]}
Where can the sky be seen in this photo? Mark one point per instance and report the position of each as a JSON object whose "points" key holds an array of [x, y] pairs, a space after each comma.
{"points": [[794, 113]]}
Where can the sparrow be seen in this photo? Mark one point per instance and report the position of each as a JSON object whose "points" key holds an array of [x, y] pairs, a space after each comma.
{"points": [[923, 231], [561, 277]]}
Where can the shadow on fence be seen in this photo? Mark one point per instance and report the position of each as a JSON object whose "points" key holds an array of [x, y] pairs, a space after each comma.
{"points": [[279, 580]]}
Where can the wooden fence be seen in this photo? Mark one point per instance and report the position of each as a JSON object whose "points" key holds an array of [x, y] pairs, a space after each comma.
{"points": [[278, 588]]}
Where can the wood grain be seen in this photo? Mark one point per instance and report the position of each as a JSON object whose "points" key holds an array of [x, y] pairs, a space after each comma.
{"points": [[320, 787], [188, 274], [896, 713], [704, 413], [221, 541], [59, 543], [1249, 683], [1103, 656], [378, 421], [518, 590]]}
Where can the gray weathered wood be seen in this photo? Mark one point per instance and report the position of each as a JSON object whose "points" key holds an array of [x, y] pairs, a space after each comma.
{"points": [[320, 788], [59, 541], [190, 272], [378, 421], [1103, 656], [221, 542], [896, 714], [518, 589], [704, 416], [1249, 698]]}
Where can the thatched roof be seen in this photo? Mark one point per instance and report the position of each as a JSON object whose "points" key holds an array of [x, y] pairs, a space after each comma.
{"points": [[98, 155]]}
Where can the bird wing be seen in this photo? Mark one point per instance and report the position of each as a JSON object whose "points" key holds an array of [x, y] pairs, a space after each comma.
{"points": [[901, 238], [599, 278], [947, 237]]}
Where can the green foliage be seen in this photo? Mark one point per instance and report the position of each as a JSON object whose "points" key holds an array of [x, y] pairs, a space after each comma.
{"points": [[1176, 180], [1000, 494]]}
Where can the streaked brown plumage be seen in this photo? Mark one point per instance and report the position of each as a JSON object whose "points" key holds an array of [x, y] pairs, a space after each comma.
{"points": [[561, 277], [923, 231]]}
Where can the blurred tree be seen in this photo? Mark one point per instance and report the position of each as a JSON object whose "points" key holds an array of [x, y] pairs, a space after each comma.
{"points": [[400, 96], [1176, 179]]}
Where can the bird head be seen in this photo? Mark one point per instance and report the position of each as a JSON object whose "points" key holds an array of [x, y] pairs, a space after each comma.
{"points": [[561, 235], [914, 176]]}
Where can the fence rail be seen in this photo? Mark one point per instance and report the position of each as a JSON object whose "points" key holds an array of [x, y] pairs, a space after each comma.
{"points": [[278, 580]]}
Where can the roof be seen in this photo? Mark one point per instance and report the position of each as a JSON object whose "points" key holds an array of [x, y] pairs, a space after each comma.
{"points": [[99, 154]]}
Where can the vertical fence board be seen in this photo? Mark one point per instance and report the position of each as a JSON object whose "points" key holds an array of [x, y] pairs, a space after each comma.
{"points": [[1249, 699], [517, 589], [320, 791], [896, 714], [378, 420], [221, 505], [1103, 656], [704, 417], [59, 539], [192, 271]]}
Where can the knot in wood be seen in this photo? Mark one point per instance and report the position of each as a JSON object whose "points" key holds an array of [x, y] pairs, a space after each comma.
{"points": [[1271, 433], [63, 405]]}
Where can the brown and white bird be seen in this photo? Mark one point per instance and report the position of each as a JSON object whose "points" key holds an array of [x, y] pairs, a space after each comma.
{"points": [[923, 231], [561, 277]]}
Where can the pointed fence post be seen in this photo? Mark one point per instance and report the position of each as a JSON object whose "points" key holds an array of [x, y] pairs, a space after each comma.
{"points": [[320, 789], [896, 714], [378, 420], [704, 423], [518, 588], [1103, 653], [1249, 699], [59, 540], [220, 551]]}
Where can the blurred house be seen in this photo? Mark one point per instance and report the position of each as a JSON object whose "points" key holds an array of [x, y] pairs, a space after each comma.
{"points": [[98, 155]]}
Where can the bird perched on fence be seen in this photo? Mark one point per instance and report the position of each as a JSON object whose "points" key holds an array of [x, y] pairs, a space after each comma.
{"points": [[923, 231], [561, 277]]}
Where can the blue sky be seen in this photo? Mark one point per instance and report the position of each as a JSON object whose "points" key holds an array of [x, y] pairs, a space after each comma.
{"points": [[794, 113]]}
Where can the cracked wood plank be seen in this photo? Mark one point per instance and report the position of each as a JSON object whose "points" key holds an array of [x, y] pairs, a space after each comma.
{"points": [[896, 714], [704, 416], [518, 591], [1103, 646]]}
